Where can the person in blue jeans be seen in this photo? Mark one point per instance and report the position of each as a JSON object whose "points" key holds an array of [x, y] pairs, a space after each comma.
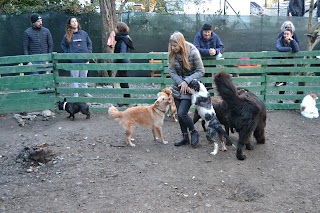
{"points": [[37, 40], [185, 65], [77, 40], [296, 8]]}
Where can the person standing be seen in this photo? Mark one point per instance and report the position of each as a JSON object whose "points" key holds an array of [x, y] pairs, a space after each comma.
{"points": [[286, 44], [209, 44], [289, 25], [296, 8], [37, 39], [77, 40], [123, 45], [185, 65]]}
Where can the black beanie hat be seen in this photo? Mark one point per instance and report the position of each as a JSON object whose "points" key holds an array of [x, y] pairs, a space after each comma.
{"points": [[207, 27], [35, 17]]}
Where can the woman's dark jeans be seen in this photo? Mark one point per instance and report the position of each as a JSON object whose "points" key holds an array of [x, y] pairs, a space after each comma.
{"points": [[185, 121]]}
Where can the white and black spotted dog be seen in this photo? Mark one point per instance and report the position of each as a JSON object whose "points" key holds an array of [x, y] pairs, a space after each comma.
{"points": [[202, 101]]}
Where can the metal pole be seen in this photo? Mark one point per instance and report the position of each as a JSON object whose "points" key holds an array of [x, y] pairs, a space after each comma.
{"points": [[278, 7]]}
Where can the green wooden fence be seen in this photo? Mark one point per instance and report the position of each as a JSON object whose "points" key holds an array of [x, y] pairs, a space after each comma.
{"points": [[256, 71]]}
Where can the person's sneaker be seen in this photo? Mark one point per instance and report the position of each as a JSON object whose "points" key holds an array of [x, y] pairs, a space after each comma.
{"points": [[76, 95], [279, 84], [88, 95]]}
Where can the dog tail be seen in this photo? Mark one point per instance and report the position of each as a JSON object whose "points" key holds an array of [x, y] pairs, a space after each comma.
{"points": [[114, 113], [227, 89]]}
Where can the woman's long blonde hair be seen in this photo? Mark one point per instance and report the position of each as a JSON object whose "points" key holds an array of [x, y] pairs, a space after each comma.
{"points": [[178, 38]]}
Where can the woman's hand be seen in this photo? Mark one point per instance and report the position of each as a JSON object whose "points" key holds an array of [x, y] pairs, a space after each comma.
{"points": [[183, 87]]}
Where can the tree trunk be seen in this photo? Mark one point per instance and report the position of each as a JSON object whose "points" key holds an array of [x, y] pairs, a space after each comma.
{"points": [[108, 15], [310, 40]]}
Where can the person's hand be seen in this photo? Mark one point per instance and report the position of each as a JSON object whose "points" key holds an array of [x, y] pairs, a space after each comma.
{"points": [[212, 51], [189, 90], [183, 87]]}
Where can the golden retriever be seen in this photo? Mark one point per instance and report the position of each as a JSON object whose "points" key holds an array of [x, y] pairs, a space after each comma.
{"points": [[172, 109], [146, 116]]}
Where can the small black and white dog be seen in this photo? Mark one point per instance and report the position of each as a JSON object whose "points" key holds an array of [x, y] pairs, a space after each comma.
{"points": [[74, 108], [202, 101]]}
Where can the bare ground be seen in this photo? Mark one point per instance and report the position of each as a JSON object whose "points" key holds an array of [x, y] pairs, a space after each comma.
{"points": [[93, 170]]}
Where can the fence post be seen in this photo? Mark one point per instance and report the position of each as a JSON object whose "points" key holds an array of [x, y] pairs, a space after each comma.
{"points": [[163, 75], [55, 74], [264, 84]]}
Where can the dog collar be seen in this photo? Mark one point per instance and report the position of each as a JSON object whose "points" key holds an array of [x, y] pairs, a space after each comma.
{"points": [[64, 105]]}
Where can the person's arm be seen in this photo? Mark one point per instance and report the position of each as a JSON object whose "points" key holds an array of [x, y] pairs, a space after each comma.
{"points": [[174, 75], [199, 68], [282, 48], [25, 43], [89, 44], [123, 47], [291, 7], [197, 44], [64, 45], [50, 42], [219, 45], [294, 46]]}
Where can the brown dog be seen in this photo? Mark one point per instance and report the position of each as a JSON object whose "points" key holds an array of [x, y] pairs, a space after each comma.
{"points": [[146, 116], [172, 109]]}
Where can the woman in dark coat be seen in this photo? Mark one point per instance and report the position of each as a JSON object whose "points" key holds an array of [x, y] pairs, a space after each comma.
{"points": [[185, 65], [123, 45]]}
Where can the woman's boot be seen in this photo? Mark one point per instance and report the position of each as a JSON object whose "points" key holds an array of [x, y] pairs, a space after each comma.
{"points": [[185, 140], [194, 138]]}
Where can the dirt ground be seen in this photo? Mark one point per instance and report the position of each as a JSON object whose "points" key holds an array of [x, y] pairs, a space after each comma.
{"points": [[94, 171]]}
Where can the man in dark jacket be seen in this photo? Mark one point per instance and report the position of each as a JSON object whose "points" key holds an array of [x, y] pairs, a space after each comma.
{"points": [[37, 39], [209, 44]]}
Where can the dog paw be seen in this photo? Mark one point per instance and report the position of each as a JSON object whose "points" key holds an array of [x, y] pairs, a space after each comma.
{"points": [[249, 147], [215, 150], [224, 149]]}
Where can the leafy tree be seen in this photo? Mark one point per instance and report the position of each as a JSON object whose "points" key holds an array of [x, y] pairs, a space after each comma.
{"points": [[28, 6]]}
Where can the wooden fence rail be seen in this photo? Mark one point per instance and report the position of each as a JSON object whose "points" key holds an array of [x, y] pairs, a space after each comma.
{"points": [[22, 90]]}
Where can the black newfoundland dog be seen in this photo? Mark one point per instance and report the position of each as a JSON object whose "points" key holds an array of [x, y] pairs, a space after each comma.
{"points": [[246, 113]]}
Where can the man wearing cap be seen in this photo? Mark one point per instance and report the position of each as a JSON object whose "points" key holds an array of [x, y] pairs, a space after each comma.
{"points": [[209, 44], [37, 39]]}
